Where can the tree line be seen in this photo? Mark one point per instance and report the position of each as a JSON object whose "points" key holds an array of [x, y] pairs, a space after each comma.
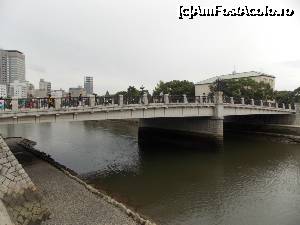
{"points": [[251, 89], [237, 88]]}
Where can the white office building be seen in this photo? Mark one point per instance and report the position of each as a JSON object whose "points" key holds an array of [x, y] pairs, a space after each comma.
{"points": [[3, 91], [57, 93], [18, 89], [45, 85], [203, 87]]}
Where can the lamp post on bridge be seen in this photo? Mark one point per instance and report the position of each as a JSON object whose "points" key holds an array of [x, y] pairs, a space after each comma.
{"points": [[142, 94]]}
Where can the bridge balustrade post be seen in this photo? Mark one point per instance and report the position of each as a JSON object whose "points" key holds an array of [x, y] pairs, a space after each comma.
{"points": [[261, 103], [231, 100], [57, 103], [219, 106], [14, 104], [290, 107], [252, 102], [201, 99], [145, 99], [166, 99], [297, 119], [218, 97], [121, 100], [243, 101], [92, 101], [276, 105], [270, 104], [283, 105], [185, 99], [112, 100]]}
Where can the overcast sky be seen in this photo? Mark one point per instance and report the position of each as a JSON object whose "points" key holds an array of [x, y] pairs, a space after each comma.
{"points": [[135, 42]]}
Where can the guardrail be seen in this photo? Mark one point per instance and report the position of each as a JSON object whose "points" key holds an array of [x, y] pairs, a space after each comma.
{"points": [[120, 100]]}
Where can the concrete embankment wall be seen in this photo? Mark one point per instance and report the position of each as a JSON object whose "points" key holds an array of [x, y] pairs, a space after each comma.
{"points": [[18, 194], [280, 124]]}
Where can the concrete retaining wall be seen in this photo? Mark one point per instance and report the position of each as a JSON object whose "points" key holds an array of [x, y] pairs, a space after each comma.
{"points": [[17, 192]]}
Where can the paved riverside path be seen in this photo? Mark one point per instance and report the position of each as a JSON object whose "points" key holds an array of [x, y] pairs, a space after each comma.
{"points": [[69, 202]]}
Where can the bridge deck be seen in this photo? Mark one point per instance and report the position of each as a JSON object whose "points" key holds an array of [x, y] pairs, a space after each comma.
{"points": [[133, 111]]}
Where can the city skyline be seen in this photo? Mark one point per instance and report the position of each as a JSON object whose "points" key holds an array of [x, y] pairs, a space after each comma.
{"points": [[123, 52]]}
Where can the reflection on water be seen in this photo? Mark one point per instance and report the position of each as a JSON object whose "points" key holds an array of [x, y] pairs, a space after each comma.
{"points": [[251, 182]]}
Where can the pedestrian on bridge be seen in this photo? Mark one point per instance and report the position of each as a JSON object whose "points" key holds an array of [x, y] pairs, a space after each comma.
{"points": [[80, 100], [204, 98], [70, 100], [50, 101]]}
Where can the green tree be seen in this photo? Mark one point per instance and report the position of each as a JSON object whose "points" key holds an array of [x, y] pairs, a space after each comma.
{"points": [[297, 95], [175, 87], [284, 97], [132, 95], [244, 87], [288, 97]]}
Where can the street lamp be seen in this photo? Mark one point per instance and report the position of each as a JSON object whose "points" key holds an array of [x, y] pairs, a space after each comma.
{"points": [[142, 93], [142, 89], [219, 88]]}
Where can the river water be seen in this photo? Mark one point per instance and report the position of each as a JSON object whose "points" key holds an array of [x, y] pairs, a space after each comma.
{"points": [[252, 181]]}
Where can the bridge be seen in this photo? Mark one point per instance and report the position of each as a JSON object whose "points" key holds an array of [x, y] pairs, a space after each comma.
{"points": [[197, 114], [200, 115]]}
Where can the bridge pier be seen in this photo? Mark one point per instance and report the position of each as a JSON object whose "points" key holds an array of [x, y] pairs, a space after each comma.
{"points": [[188, 132], [205, 128]]}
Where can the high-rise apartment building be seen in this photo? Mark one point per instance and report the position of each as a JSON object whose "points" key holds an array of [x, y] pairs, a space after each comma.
{"points": [[45, 85], [12, 68], [89, 85]]}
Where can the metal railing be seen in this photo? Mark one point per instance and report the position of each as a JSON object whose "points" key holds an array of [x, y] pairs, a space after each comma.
{"points": [[74, 101], [5, 104], [36, 103], [156, 99]]}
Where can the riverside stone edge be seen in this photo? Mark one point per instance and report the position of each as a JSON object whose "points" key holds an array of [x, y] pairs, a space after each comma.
{"points": [[18, 194]]}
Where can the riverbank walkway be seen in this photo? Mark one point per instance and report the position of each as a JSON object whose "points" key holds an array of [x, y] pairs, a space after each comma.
{"points": [[69, 202]]}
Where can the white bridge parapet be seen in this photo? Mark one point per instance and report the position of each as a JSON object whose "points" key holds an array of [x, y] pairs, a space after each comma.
{"points": [[134, 111], [201, 113]]}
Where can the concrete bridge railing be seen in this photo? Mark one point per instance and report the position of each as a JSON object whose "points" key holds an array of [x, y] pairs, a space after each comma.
{"points": [[197, 114], [16, 105]]}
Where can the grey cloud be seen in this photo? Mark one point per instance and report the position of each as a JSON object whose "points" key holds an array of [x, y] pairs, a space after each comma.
{"points": [[136, 42], [37, 68]]}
